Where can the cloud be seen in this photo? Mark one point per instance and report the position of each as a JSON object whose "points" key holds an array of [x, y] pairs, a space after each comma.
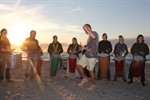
{"points": [[76, 9], [32, 18]]}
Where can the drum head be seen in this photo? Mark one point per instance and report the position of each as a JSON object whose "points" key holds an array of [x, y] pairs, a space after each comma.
{"points": [[56, 55], [138, 58], [103, 55], [119, 58], [16, 53], [72, 56]]}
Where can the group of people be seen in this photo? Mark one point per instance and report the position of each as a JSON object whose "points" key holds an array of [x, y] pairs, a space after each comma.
{"points": [[88, 59]]}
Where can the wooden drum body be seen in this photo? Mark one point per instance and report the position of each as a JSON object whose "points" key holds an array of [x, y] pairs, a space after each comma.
{"points": [[72, 63], [137, 64], [119, 66], [103, 60]]}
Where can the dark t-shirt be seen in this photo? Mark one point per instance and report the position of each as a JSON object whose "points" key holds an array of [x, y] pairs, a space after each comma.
{"points": [[140, 49], [31, 45], [104, 46], [4, 44]]}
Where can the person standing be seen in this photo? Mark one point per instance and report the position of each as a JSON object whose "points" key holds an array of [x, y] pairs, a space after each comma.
{"points": [[5, 49], [121, 50], [34, 52], [139, 48], [73, 51], [89, 58], [105, 46], [54, 48]]}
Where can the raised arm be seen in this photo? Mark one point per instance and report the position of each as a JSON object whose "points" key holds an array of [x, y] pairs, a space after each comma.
{"points": [[88, 30]]}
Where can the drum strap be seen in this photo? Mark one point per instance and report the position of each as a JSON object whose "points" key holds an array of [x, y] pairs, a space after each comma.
{"points": [[55, 47], [75, 48]]}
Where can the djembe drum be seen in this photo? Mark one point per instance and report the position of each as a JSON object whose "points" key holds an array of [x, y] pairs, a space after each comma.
{"points": [[103, 60], [54, 64], [72, 63], [137, 64]]}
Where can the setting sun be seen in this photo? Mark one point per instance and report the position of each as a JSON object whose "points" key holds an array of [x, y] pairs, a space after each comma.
{"points": [[17, 34]]}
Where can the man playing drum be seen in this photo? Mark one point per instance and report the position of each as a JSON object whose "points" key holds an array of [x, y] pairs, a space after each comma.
{"points": [[73, 51], [5, 48], [120, 51], [139, 49], [104, 48], [89, 58], [54, 49], [34, 51]]}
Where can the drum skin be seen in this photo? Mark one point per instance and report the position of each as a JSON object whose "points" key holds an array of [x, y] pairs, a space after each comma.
{"points": [[119, 64], [72, 65], [103, 67], [54, 66], [38, 68], [137, 68]]}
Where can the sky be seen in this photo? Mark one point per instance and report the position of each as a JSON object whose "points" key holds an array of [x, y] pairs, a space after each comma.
{"points": [[65, 18]]}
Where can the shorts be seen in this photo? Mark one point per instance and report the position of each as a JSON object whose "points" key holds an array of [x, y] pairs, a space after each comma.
{"points": [[89, 62]]}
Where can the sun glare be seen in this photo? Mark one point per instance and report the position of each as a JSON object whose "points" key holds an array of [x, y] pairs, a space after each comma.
{"points": [[17, 34]]}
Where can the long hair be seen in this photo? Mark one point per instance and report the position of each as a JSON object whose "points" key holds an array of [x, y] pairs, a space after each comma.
{"points": [[2, 31], [139, 37], [75, 39]]}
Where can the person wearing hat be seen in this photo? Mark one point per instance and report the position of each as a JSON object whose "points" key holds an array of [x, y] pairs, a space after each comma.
{"points": [[5, 48], [54, 48], [34, 52]]}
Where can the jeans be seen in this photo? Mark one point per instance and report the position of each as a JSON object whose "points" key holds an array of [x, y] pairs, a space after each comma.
{"points": [[3, 68], [31, 70]]}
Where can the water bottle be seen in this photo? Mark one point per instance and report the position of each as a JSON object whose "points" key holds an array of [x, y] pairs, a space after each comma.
{"points": [[123, 53]]}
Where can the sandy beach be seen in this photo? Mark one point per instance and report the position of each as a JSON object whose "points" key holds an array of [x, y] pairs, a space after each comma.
{"points": [[60, 88]]}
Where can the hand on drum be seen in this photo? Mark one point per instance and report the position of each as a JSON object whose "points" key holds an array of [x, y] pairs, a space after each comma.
{"points": [[74, 52], [41, 53], [141, 53], [107, 51], [55, 52], [7, 50]]}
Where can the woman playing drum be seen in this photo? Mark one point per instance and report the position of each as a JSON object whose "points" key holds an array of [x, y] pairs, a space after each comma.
{"points": [[5, 49], [104, 48], [138, 49], [120, 51], [73, 51]]}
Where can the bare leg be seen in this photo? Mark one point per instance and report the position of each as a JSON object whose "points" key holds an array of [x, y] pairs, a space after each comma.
{"points": [[92, 77], [81, 71]]}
